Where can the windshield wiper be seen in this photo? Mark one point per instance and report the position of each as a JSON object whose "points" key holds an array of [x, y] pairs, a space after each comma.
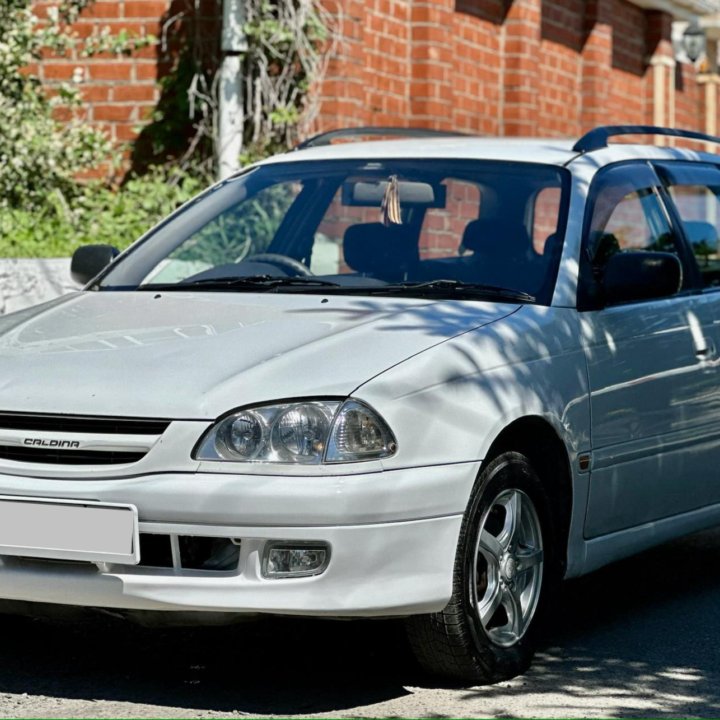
{"points": [[451, 288], [429, 288], [249, 282]]}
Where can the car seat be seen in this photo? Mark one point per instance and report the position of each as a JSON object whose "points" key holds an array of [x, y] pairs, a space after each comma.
{"points": [[502, 254], [386, 252]]}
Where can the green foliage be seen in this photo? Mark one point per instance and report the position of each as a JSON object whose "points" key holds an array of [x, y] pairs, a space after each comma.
{"points": [[39, 155], [46, 212], [96, 215]]}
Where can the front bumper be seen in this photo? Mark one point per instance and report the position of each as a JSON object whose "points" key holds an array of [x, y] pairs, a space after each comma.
{"points": [[386, 569], [393, 537]]}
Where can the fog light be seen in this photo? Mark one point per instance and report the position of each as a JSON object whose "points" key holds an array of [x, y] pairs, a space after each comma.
{"points": [[289, 560]]}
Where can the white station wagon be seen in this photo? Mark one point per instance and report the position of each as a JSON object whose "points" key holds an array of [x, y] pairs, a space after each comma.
{"points": [[423, 378]]}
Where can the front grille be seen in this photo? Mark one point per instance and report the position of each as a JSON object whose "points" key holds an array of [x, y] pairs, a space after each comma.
{"points": [[83, 423], [77, 439], [68, 457], [158, 552]]}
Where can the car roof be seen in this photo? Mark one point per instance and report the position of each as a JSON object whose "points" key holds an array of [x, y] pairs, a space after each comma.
{"points": [[460, 147], [550, 151]]}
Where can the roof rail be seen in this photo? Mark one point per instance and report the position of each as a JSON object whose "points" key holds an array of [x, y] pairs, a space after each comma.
{"points": [[327, 137], [597, 138]]}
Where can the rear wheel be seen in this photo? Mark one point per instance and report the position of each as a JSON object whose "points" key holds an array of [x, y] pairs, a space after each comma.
{"points": [[504, 573]]}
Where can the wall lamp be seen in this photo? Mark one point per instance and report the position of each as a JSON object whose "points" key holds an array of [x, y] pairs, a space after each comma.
{"points": [[694, 41]]}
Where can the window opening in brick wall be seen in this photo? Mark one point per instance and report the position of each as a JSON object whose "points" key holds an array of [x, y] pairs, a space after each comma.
{"points": [[494, 11]]}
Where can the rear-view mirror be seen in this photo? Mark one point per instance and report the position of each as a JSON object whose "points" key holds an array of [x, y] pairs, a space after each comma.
{"points": [[366, 193]]}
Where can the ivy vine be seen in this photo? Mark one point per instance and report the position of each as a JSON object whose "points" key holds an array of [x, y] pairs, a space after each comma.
{"points": [[289, 43]]}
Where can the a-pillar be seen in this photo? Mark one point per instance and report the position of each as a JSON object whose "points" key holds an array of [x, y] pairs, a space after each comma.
{"points": [[596, 63], [521, 68], [431, 91]]}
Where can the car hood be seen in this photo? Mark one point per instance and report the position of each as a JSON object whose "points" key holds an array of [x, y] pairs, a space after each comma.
{"points": [[198, 355]]}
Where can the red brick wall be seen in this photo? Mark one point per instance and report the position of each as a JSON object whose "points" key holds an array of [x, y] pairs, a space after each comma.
{"points": [[629, 89], [476, 67], [561, 70], [689, 100], [539, 67], [120, 92], [369, 75]]}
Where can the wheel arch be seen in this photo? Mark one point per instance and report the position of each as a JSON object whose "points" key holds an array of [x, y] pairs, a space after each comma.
{"points": [[539, 441]]}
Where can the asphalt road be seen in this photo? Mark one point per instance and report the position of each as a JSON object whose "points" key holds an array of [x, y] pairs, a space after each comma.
{"points": [[638, 639]]}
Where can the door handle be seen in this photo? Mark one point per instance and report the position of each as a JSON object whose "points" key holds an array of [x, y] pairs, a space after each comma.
{"points": [[706, 353]]}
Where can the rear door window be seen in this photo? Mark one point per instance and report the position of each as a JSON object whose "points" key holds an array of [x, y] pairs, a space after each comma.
{"points": [[695, 192]]}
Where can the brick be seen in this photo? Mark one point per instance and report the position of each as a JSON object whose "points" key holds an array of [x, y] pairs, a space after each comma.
{"points": [[102, 10], [146, 71], [114, 113], [126, 132], [96, 93], [31, 69], [62, 114], [134, 93], [114, 70], [147, 53], [59, 70], [145, 8]]}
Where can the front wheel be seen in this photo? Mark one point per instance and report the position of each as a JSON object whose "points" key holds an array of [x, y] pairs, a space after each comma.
{"points": [[504, 572]]}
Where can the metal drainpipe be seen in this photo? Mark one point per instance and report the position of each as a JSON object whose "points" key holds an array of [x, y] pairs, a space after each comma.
{"points": [[234, 44]]}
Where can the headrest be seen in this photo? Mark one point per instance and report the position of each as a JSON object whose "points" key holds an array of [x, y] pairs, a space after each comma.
{"points": [[487, 234], [699, 232], [374, 249]]}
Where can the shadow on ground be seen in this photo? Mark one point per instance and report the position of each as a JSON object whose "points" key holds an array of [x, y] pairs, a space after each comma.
{"points": [[637, 638], [279, 666]]}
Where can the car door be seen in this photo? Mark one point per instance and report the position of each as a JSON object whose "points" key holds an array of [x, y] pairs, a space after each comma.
{"points": [[650, 365]]}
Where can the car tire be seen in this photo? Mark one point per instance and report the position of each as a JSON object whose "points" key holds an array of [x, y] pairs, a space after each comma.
{"points": [[505, 573]]}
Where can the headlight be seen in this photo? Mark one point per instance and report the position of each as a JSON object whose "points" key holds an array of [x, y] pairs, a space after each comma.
{"points": [[359, 433], [309, 432], [244, 436], [300, 432]]}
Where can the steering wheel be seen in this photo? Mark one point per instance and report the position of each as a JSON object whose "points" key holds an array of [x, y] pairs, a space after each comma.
{"points": [[283, 261]]}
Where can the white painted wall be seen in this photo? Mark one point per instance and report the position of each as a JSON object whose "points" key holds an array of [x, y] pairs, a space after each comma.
{"points": [[25, 282]]}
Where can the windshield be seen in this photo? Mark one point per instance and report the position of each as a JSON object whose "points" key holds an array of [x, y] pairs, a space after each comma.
{"points": [[410, 227]]}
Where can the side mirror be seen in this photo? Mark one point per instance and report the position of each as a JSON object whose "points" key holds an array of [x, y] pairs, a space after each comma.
{"points": [[630, 276], [89, 260]]}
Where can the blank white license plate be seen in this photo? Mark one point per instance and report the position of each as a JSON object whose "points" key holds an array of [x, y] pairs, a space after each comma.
{"points": [[69, 530]]}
